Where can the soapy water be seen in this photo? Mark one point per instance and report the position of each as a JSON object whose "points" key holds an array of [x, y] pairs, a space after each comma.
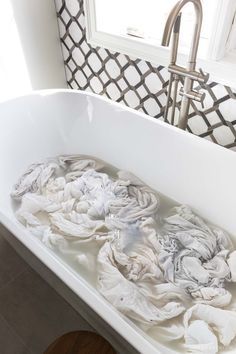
{"points": [[134, 237]]}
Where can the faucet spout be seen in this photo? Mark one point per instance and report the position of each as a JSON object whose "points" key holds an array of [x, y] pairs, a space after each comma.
{"points": [[171, 23], [171, 20]]}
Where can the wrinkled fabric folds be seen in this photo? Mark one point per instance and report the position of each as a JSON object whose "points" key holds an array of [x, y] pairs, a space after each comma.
{"points": [[196, 257], [167, 274]]}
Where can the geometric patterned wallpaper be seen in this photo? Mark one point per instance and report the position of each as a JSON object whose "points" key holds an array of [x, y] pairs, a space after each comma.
{"points": [[138, 83]]}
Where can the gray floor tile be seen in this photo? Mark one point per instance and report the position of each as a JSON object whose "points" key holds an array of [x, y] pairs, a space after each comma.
{"points": [[10, 343], [36, 312], [11, 265]]}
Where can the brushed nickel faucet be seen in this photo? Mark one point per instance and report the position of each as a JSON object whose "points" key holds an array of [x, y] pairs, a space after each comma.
{"points": [[189, 73]]}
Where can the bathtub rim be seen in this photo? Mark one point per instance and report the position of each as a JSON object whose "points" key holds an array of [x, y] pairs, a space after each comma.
{"points": [[48, 92]]}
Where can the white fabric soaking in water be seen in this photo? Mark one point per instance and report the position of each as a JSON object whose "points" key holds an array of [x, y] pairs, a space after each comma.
{"points": [[152, 269]]}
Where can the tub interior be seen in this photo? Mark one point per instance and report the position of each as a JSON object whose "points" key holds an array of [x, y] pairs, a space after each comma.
{"points": [[179, 165]]}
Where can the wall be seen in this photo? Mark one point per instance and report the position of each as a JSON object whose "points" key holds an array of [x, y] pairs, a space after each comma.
{"points": [[137, 83], [38, 30], [30, 54]]}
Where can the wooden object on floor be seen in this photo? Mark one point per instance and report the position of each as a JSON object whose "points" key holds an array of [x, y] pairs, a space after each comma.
{"points": [[80, 342]]}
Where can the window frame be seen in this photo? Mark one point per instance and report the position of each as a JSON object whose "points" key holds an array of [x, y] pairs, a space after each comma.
{"points": [[220, 65]]}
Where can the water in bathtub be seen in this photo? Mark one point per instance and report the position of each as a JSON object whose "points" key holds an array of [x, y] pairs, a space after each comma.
{"points": [[156, 261]]}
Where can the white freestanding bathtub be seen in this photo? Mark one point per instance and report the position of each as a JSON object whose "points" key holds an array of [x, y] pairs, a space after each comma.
{"points": [[182, 166]]}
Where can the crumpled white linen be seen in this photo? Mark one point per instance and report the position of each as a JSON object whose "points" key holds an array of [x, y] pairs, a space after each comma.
{"points": [[84, 206], [150, 269], [127, 296], [222, 322], [132, 281], [196, 257], [36, 176], [231, 261], [199, 338]]}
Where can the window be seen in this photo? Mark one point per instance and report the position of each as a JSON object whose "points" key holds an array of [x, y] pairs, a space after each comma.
{"points": [[135, 27], [126, 17]]}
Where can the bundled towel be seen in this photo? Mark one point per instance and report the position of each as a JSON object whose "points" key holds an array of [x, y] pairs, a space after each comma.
{"points": [[196, 257]]}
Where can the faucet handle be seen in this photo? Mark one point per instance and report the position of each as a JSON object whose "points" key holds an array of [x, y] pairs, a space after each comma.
{"points": [[194, 95], [202, 102], [199, 97], [205, 76]]}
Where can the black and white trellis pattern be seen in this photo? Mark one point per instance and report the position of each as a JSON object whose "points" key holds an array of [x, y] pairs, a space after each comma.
{"points": [[138, 83]]}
